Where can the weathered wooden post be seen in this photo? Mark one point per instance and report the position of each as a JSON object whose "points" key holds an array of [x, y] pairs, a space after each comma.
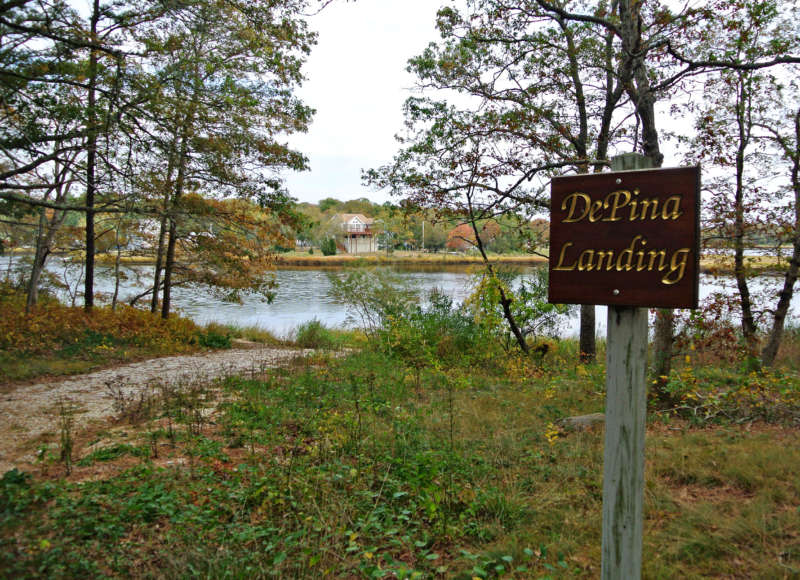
{"points": [[628, 239], [626, 414]]}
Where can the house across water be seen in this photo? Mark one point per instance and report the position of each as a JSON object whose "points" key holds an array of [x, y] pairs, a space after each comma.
{"points": [[355, 235]]}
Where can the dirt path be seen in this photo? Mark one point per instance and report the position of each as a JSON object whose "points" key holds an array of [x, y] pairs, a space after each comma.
{"points": [[29, 414]]}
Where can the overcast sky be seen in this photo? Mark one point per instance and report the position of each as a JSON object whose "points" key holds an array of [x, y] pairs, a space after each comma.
{"points": [[357, 82]]}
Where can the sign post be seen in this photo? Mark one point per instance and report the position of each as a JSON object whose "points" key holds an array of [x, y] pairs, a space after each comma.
{"points": [[628, 239]]}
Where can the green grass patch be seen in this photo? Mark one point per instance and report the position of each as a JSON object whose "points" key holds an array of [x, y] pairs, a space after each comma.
{"points": [[114, 452]]}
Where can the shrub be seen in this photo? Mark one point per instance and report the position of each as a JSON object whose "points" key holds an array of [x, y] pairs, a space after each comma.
{"points": [[534, 315], [52, 327], [710, 331], [438, 331], [314, 334], [213, 339], [371, 296], [328, 247]]}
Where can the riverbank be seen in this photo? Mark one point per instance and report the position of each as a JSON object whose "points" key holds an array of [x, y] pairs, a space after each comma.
{"points": [[54, 339], [405, 258], [713, 264], [709, 264]]}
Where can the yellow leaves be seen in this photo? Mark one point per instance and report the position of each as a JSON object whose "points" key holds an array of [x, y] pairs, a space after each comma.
{"points": [[51, 327], [552, 433]]}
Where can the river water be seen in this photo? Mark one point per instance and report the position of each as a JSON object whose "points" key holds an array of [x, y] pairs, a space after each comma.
{"points": [[303, 294]]}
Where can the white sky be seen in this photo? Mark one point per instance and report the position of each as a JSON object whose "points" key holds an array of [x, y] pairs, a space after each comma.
{"points": [[357, 82]]}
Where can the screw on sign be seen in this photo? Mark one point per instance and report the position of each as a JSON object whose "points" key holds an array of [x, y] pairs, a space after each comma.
{"points": [[626, 238]]}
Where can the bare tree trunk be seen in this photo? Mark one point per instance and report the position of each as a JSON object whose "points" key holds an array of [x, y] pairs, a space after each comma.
{"points": [[748, 321], [587, 339], [776, 334], [159, 265], [46, 233], [663, 333], [773, 343], [39, 258], [168, 268], [171, 217], [162, 230], [634, 77], [505, 301], [91, 161], [116, 265]]}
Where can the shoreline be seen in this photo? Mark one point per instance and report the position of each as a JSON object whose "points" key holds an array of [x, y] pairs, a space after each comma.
{"points": [[714, 265]]}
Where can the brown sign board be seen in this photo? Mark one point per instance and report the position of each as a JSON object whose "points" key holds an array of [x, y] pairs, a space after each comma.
{"points": [[626, 238]]}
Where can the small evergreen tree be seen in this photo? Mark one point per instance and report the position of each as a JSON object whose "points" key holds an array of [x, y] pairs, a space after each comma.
{"points": [[328, 247]]}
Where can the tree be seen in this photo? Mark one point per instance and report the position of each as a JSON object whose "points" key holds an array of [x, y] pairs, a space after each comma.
{"points": [[748, 121], [328, 203], [60, 81], [227, 73], [660, 50], [522, 118], [784, 133], [140, 103], [462, 237]]}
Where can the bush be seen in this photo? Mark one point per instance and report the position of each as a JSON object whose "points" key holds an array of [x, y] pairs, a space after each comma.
{"points": [[314, 334], [52, 327], [328, 247], [439, 331], [534, 315], [371, 296], [213, 339]]}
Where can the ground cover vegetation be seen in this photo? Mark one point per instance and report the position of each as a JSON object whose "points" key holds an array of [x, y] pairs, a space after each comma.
{"points": [[440, 443], [54, 339], [432, 450]]}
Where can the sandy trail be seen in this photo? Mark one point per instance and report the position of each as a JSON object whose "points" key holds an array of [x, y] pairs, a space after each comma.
{"points": [[30, 413]]}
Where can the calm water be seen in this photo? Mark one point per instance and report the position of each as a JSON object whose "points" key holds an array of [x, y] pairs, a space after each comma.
{"points": [[303, 295]]}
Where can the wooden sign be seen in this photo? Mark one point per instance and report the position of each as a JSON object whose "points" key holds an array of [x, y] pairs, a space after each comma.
{"points": [[626, 238]]}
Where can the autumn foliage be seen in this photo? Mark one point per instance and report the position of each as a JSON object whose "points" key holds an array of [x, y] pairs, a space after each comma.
{"points": [[462, 237], [52, 328]]}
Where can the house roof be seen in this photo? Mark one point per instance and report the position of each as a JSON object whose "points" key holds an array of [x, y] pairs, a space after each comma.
{"points": [[348, 217]]}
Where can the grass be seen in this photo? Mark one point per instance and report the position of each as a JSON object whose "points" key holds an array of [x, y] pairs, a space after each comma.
{"points": [[412, 258], [361, 467], [723, 264], [249, 333], [428, 452]]}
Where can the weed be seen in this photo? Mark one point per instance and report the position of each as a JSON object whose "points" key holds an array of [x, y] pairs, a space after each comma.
{"points": [[66, 425], [131, 403], [251, 333], [113, 452], [212, 339]]}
